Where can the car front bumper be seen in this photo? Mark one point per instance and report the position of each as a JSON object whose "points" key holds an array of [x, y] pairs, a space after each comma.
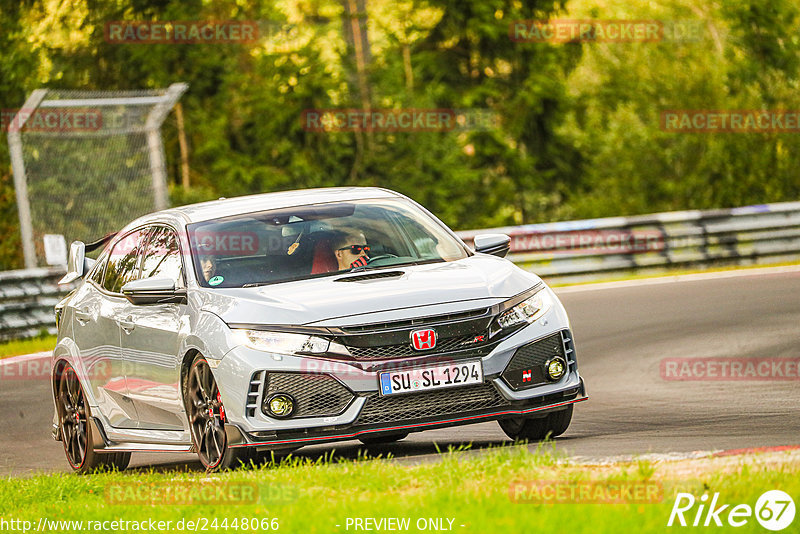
{"points": [[360, 410], [297, 438]]}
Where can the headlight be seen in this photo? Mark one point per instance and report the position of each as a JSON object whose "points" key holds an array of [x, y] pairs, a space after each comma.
{"points": [[527, 311], [286, 343], [281, 342]]}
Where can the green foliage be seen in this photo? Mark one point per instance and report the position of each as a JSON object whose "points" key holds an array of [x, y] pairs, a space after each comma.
{"points": [[745, 59], [578, 125]]}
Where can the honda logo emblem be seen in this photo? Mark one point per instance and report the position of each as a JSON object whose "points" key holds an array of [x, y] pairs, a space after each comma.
{"points": [[423, 339]]}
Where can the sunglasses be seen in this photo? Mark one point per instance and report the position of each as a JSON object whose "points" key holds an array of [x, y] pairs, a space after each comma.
{"points": [[356, 249]]}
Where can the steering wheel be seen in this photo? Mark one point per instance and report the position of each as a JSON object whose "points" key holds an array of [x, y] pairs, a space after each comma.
{"points": [[381, 256]]}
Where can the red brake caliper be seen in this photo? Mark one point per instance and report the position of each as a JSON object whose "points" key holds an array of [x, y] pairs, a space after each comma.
{"points": [[221, 408]]}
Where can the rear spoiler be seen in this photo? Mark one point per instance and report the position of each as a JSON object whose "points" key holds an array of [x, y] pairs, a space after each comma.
{"points": [[100, 242], [77, 263]]}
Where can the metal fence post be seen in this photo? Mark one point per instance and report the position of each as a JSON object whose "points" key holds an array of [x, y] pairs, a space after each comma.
{"points": [[20, 181], [155, 145]]}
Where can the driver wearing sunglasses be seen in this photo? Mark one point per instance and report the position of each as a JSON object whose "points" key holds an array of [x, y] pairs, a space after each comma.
{"points": [[351, 249]]}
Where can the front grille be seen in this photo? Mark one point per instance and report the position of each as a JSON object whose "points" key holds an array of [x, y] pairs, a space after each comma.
{"points": [[408, 323], [405, 350], [526, 368], [414, 406], [316, 395]]}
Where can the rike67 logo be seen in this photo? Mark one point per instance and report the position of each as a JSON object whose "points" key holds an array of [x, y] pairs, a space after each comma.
{"points": [[774, 510]]}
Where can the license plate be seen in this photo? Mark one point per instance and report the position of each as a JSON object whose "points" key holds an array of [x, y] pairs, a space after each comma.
{"points": [[433, 377]]}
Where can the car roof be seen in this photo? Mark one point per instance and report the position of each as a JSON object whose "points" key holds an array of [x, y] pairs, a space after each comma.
{"points": [[227, 207]]}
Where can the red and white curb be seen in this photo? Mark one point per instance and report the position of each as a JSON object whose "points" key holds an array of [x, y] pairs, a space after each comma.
{"points": [[16, 360], [677, 456], [26, 367]]}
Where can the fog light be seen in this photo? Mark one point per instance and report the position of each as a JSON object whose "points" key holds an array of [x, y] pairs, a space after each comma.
{"points": [[555, 368], [280, 405]]}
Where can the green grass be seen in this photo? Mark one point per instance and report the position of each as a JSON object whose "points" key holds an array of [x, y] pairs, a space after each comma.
{"points": [[315, 496], [18, 347]]}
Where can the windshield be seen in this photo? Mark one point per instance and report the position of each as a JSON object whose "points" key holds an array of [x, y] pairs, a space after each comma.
{"points": [[317, 240]]}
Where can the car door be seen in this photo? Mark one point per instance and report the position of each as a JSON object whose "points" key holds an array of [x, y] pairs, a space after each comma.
{"points": [[150, 339], [95, 309]]}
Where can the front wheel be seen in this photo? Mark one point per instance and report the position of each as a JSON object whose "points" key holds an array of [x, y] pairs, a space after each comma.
{"points": [[74, 415], [207, 420], [536, 429]]}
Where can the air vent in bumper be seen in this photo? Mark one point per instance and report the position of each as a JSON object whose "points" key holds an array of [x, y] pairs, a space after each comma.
{"points": [[417, 406], [315, 395], [254, 393], [527, 367]]}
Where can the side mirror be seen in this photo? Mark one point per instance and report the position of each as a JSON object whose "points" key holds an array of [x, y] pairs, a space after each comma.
{"points": [[76, 262], [153, 291], [494, 244]]}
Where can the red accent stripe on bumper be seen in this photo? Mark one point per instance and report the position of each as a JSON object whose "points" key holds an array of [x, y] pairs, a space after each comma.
{"points": [[403, 427]]}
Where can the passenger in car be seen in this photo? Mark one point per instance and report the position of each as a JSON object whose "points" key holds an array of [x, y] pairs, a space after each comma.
{"points": [[208, 264]]}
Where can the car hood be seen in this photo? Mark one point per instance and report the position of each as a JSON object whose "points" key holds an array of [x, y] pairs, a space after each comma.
{"points": [[472, 282]]}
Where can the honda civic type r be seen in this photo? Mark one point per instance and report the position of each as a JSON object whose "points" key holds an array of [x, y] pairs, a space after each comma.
{"points": [[236, 327]]}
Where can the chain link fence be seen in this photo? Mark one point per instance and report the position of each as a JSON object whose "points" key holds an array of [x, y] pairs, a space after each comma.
{"points": [[87, 162]]}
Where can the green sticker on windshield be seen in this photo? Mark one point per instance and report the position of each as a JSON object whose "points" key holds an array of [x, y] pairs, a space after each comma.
{"points": [[215, 281]]}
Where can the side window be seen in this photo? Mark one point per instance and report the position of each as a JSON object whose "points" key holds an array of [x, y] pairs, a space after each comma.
{"points": [[162, 258], [123, 264]]}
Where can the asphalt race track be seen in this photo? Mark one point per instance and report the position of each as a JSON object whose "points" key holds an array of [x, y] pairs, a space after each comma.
{"points": [[622, 334]]}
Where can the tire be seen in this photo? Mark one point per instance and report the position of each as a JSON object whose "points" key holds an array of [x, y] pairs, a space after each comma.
{"points": [[382, 440], [76, 432], [273, 455], [536, 429], [116, 460], [207, 421]]}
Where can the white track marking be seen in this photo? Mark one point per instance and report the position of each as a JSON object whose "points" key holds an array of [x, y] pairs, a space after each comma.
{"points": [[678, 278], [27, 357]]}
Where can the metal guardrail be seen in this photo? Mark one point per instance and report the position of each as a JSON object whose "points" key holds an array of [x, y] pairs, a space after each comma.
{"points": [[27, 298], [600, 248], [562, 251]]}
